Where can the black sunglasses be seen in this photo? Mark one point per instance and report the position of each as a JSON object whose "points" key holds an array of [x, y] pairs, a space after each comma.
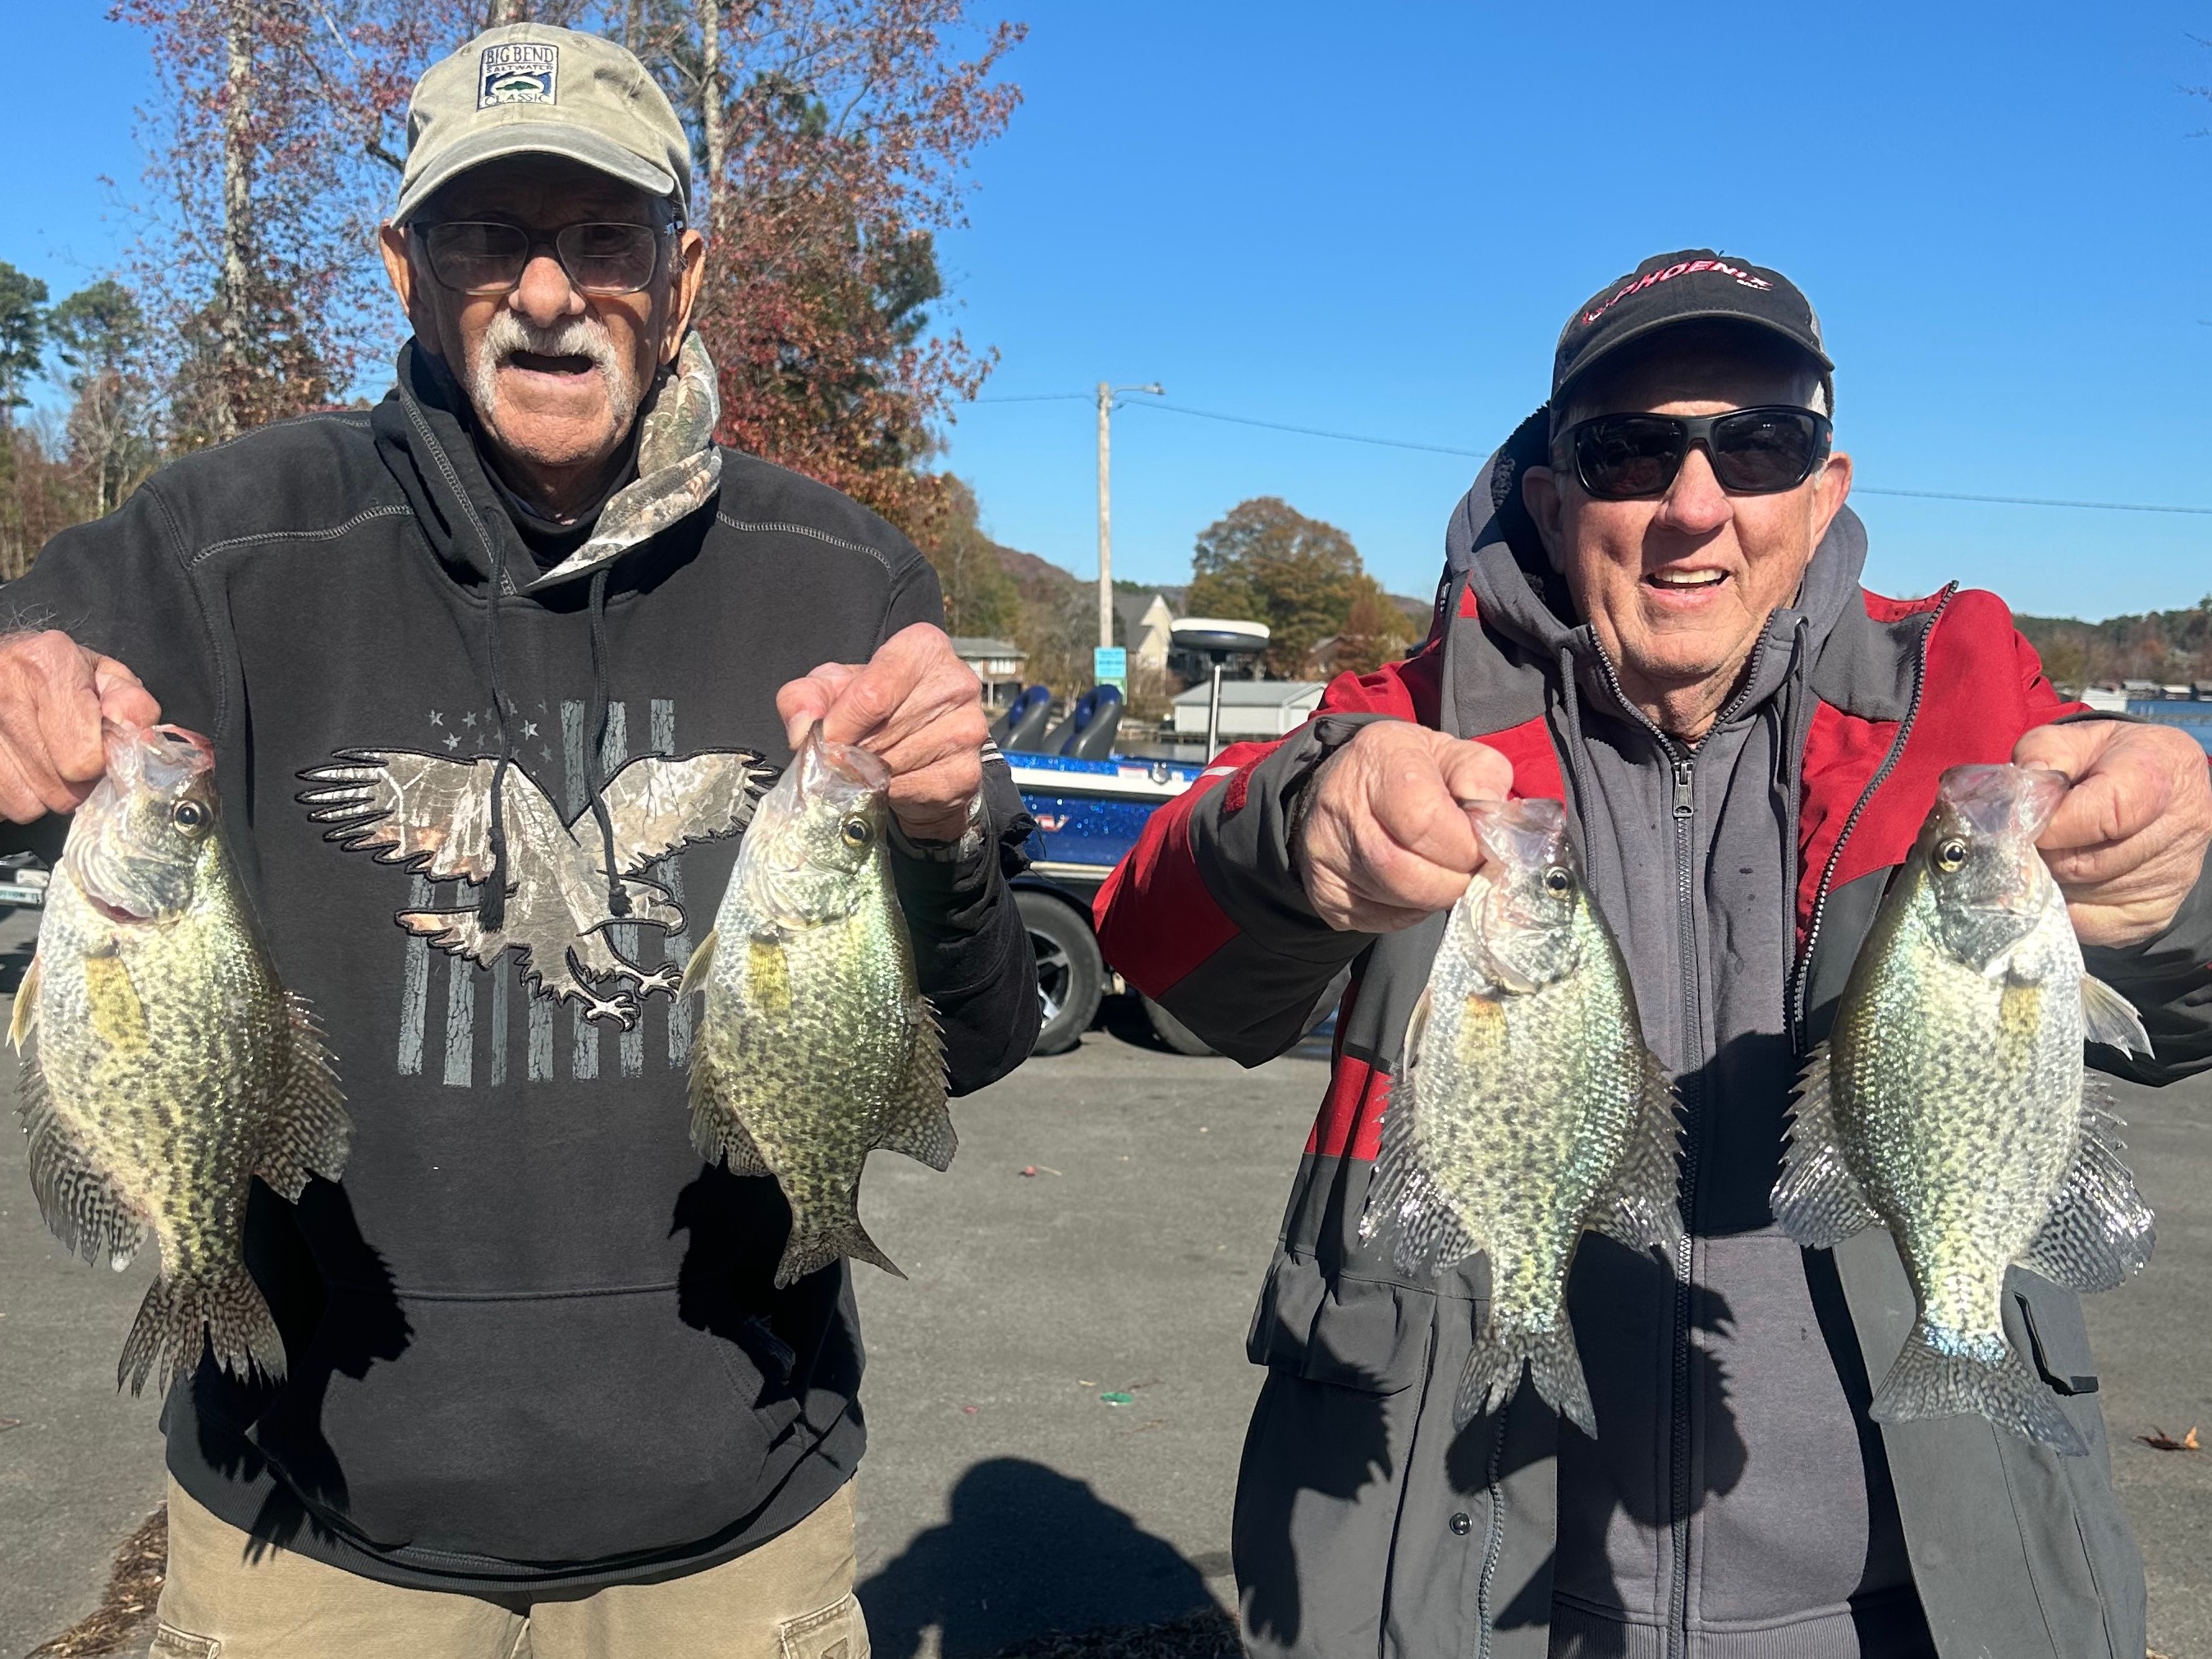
{"points": [[485, 256], [1754, 452]]}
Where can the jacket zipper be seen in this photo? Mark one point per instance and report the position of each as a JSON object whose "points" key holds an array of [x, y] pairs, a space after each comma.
{"points": [[1682, 764], [1803, 974], [1494, 1545], [1686, 910]]}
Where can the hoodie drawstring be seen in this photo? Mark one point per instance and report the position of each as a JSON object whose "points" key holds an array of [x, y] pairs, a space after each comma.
{"points": [[595, 761], [491, 910]]}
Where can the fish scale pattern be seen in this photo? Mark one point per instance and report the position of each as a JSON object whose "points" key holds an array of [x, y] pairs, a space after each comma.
{"points": [[1951, 1106], [1963, 1144], [168, 1068], [815, 1045], [1531, 1112]]}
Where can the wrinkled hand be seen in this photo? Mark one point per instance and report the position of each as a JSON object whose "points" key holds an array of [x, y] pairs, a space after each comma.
{"points": [[916, 707], [53, 695], [1386, 838], [2127, 842]]}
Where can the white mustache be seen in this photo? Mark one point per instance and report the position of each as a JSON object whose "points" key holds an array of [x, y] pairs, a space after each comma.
{"points": [[573, 336]]}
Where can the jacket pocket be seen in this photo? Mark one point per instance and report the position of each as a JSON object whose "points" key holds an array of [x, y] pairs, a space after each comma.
{"points": [[552, 1428], [2058, 1342], [1364, 1334], [2088, 1573]]}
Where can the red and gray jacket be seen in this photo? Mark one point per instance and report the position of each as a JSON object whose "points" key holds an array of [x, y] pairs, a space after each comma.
{"points": [[1738, 1504]]}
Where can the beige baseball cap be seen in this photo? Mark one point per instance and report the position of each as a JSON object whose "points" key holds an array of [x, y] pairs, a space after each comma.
{"points": [[531, 87]]}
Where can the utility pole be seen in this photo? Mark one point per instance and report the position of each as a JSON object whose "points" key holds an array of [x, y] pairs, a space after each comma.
{"points": [[1106, 395]]}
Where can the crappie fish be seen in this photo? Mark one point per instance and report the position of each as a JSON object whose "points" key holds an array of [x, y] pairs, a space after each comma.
{"points": [[1530, 1110], [816, 1045], [1949, 1105], [168, 1066]]}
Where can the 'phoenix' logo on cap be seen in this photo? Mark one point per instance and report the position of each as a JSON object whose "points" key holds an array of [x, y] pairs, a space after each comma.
{"points": [[1688, 267]]}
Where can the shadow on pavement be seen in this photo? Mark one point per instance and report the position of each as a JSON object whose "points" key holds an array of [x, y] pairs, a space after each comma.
{"points": [[1027, 1552]]}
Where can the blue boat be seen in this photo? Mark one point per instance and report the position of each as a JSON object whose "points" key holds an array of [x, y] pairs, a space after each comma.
{"points": [[1088, 813]]}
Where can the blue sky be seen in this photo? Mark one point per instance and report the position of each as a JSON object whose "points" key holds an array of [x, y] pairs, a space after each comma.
{"points": [[1373, 221]]}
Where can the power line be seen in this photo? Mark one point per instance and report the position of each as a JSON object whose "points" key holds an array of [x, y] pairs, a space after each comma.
{"points": [[1477, 455], [1310, 431], [2027, 501]]}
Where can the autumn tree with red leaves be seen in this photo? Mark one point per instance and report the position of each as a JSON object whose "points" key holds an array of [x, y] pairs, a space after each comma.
{"points": [[1264, 561], [831, 139]]}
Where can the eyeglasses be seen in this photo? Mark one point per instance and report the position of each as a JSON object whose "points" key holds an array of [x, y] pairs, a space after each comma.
{"points": [[1754, 452], [484, 257]]}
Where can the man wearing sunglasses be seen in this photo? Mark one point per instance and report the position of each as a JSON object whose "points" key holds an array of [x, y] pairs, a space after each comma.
{"points": [[1651, 610], [493, 672]]}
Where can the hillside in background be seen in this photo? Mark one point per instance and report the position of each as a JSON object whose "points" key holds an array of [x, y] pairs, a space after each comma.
{"points": [[1049, 591], [2171, 646]]}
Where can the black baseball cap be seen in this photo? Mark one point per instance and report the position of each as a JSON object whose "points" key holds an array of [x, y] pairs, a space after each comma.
{"points": [[1693, 285]]}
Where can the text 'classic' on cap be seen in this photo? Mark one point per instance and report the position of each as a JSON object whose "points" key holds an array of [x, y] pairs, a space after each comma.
{"points": [[1668, 288], [532, 88]]}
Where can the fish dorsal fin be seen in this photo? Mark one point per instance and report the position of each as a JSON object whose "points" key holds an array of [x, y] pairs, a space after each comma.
{"points": [[2109, 1018], [81, 1207], [26, 1014], [718, 1133], [2100, 1231], [916, 1122], [701, 965], [1819, 1201], [1638, 1207], [1400, 1194], [310, 1134]]}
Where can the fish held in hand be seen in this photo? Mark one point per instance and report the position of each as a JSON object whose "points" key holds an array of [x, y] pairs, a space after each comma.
{"points": [[816, 1045], [1950, 1105], [167, 1066], [1530, 1110]]}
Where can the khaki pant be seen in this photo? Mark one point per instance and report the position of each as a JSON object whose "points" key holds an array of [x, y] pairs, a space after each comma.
{"points": [[792, 1598]]}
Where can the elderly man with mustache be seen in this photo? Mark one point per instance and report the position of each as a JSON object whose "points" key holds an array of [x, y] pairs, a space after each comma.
{"points": [[524, 630]]}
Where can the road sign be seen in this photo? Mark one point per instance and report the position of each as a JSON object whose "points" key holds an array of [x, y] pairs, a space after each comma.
{"points": [[1109, 666]]}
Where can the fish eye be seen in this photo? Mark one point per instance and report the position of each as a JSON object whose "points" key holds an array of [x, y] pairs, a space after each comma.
{"points": [[854, 832], [191, 816], [1950, 854], [1558, 880]]}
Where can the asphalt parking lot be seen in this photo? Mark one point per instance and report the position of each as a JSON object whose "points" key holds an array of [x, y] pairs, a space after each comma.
{"points": [[1003, 1497]]}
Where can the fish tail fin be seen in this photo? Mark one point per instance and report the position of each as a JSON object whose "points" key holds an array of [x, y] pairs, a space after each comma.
{"points": [[1493, 1373], [1931, 1379], [223, 1310], [813, 1248]]}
